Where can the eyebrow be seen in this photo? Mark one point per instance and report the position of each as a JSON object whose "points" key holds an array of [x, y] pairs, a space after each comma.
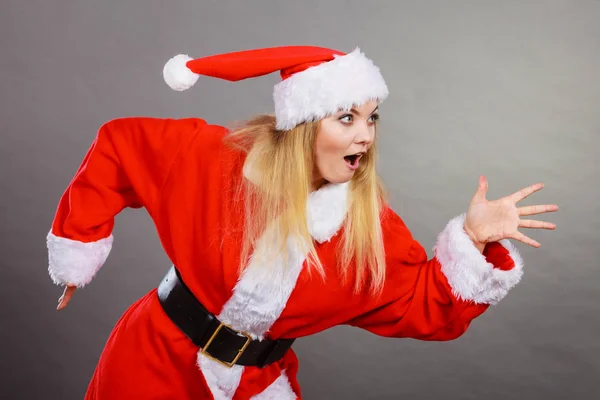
{"points": [[353, 111]]}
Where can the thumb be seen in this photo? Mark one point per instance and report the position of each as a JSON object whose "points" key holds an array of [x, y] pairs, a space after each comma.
{"points": [[481, 190]]}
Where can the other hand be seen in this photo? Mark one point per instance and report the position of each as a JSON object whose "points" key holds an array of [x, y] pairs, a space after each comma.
{"points": [[66, 296]]}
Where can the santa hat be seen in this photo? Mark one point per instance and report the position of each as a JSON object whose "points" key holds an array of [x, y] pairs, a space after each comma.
{"points": [[316, 81]]}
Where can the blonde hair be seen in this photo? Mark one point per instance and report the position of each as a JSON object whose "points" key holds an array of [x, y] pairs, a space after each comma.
{"points": [[283, 163]]}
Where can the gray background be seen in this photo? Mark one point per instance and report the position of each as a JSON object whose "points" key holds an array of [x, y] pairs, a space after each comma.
{"points": [[509, 89]]}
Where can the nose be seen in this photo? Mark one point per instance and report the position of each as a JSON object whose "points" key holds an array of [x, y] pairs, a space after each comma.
{"points": [[365, 134]]}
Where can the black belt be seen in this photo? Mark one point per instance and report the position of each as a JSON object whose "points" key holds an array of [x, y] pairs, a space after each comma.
{"points": [[217, 340]]}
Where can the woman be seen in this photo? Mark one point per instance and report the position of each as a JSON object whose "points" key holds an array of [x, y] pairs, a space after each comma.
{"points": [[277, 230]]}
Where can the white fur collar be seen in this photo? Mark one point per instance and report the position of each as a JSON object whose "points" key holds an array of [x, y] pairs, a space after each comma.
{"points": [[326, 207], [326, 210]]}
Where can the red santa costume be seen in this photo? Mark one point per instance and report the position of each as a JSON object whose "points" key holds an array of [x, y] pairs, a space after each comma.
{"points": [[183, 174]]}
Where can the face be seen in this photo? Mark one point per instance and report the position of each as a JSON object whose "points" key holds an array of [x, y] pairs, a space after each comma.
{"points": [[341, 140]]}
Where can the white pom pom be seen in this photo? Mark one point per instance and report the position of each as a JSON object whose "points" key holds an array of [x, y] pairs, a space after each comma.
{"points": [[177, 75]]}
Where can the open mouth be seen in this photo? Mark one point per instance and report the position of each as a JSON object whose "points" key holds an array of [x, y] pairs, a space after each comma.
{"points": [[352, 159]]}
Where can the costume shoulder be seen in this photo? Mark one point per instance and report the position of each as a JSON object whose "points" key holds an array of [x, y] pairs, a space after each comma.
{"points": [[152, 133]]}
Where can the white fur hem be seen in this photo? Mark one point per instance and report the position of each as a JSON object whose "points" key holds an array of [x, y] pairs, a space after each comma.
{"points": [[221, 380], [346, 81], [469, 274], [72, 261], [280, 389]]}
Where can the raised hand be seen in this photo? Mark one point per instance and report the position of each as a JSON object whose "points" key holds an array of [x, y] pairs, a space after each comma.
{"points": [[489, 221]]}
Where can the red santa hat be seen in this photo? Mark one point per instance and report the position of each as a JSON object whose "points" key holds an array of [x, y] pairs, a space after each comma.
{"points": [[316, 81]]}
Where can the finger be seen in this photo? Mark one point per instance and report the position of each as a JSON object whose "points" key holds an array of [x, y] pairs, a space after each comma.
{"points": [[521, 194], [66, 297], [533, 224], [539, 209], [64, 300], [481, 189], [527, 240]]}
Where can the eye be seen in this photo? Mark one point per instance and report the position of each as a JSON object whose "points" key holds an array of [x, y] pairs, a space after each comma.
{"points": [[373, 118], [346, 119]]}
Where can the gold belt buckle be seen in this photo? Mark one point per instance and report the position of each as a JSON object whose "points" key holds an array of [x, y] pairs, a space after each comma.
{"points": [[240, 351]]}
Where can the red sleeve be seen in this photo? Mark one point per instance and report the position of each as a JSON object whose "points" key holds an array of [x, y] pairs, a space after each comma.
{"points": [[125, 166], [438, 298]]}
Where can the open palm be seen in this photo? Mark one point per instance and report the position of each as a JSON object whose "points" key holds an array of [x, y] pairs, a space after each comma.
{"points": [[489, 221]]}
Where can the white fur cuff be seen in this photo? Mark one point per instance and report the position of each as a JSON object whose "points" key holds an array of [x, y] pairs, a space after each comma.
{"points": [[469, 274], [75, 262]]}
